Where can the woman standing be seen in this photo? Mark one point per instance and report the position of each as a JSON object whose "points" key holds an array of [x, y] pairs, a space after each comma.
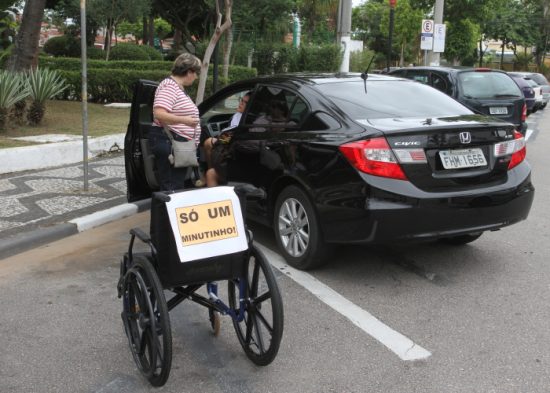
{"points": [[174, 111]]}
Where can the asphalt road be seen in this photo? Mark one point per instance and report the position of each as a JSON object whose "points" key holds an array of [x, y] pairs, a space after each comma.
{"points": [[480, 311]]}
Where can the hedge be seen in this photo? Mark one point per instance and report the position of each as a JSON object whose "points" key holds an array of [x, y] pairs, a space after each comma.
{"points": [[74, 64], [111, 85]]}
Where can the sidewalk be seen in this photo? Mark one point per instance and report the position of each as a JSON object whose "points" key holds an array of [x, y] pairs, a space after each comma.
{"points": [[40, 206]]}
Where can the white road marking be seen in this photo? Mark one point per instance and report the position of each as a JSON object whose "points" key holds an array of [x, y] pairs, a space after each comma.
{"points": [[528, 134], [393, 340]]}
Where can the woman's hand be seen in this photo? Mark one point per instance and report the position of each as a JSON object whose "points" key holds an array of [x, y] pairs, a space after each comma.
{"points": [[190, 121], [167, 118]]}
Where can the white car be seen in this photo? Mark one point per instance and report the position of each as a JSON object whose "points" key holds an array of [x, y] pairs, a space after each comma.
{"points": [[539, 99], [541, 80]]}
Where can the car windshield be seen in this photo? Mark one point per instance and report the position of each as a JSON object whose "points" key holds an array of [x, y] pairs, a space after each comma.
{"points": [[391, 99], [487, 85]]}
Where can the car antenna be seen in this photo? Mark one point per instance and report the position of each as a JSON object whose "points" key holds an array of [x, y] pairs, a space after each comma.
{"points": [[365, 75]]}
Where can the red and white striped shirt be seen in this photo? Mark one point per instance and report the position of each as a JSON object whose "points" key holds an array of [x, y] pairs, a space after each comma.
{"points": [[172, 98]]}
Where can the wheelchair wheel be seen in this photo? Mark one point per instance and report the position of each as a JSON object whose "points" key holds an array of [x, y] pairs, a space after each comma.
{"points": [[147, 322], [261, 330]]}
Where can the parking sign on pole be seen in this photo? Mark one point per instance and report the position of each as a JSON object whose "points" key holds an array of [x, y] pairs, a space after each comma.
{"points": [[426, 37]]}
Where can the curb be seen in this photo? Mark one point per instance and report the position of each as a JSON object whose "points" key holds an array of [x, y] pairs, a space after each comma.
{"points": [[48, 155], [41, 236]]}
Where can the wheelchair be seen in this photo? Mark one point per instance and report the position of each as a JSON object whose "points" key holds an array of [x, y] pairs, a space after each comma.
{"points": [[253, 301]]}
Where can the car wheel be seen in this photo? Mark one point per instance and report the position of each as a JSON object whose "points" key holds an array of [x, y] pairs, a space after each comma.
{"points": [[462, 239], [297, 230]]}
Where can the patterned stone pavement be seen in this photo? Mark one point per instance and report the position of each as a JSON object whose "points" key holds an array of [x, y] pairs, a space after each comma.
{"points": [[37, 199]]}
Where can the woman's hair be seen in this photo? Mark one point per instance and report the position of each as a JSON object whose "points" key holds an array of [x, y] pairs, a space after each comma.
{"points": [[184, 63]]}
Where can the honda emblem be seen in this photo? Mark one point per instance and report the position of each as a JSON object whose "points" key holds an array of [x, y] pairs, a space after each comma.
{"points": [[465, 137]]}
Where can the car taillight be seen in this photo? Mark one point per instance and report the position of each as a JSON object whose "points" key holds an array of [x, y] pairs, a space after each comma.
{"points": [[373, 156], [516, 148], [524, 112]]}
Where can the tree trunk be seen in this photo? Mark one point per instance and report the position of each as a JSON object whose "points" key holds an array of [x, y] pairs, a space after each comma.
{"points": [[145, 34], [177, 40], [220, 29], [481, 52], [108, 38], [502, 55], [227, 46], [151, 30], [25, 50]]}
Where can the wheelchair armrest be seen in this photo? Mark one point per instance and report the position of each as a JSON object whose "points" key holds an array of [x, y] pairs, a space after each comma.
{"points": [[161, 196], [145, 238], [140, 235]]}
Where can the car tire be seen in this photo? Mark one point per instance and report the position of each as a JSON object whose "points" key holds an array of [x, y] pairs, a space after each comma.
{"points": [[297, 230], [462, 239]]}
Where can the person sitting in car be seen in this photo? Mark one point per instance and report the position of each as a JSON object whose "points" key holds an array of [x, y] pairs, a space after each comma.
{"points": [[209, 143]]}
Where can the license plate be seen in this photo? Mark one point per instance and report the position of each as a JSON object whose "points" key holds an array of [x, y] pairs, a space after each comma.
{"points": [[458, 159], [498, 110]]}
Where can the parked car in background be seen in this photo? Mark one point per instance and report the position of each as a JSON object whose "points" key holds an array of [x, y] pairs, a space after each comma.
{"points": [[355, 160], [528, 91], [539, 98], [483, 90], [542, 82]]}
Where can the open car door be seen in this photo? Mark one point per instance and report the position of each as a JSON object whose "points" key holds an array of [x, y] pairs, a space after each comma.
{"points": [[140, 178]]}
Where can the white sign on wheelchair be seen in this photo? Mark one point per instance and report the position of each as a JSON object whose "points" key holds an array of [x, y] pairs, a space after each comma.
{"points": [[207, 223]]}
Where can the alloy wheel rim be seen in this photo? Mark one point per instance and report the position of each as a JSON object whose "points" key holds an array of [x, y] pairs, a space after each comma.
{"points": [[293, 227]]}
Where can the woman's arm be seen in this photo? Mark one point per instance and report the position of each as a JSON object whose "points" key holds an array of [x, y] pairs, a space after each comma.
{"points": [[166, 118]]}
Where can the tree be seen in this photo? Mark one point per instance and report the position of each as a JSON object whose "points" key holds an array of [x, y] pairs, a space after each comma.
{"points": [[218, 32], [406, 31], [25, 49], [368, 18], [190, 18], [461, 41], [112, 12], [318, 15]]}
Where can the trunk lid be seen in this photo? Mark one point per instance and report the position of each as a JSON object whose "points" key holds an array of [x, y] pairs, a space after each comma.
{"points": [[459, 151]]}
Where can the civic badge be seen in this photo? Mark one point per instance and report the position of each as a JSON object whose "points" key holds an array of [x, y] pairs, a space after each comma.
{"points": [[465, 137]]}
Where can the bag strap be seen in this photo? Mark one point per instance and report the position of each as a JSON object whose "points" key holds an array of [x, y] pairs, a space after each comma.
{"points": [[168, 134]]}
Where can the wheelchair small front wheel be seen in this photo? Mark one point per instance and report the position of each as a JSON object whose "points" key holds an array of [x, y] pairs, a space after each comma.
{"points": [[261, 329], [146, 321]]}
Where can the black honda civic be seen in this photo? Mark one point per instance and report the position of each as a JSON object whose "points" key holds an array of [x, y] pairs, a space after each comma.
{"points": [[355, 159]]}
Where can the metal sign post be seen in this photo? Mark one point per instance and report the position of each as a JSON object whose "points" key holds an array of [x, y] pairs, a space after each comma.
{"points": [[84, 91]]}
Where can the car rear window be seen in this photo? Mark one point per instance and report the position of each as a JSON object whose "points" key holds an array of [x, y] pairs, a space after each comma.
{"points": [[390, 99], [487, 85], [539, 78]]}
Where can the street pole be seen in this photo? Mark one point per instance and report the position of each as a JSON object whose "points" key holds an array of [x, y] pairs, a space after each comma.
{"points": [[390, 38], [84, 91], [438, 19], [343, 34]]}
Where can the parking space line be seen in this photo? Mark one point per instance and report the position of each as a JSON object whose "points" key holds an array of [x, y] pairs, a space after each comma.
{"points": [[402, 346]]}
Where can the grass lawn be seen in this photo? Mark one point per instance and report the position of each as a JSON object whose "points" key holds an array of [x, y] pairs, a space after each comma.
{"points": [[65, 117]]}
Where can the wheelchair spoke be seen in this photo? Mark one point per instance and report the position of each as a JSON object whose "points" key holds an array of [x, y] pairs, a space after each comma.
{"points": [[260, 331], [147, 322], [264, 321]]}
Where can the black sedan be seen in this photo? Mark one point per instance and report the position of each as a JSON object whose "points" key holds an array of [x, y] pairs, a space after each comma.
{"points": [[356, 159]]}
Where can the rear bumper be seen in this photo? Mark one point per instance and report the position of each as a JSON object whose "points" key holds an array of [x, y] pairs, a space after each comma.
{"points": [[389, 218]]}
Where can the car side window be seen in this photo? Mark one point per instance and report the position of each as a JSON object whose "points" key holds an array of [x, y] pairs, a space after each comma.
{"points": [[219, 116], [439, 83], [419, 76], [275, 109]]}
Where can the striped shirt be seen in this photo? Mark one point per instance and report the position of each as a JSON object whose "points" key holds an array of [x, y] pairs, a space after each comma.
{"points": [[172, 98]]}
